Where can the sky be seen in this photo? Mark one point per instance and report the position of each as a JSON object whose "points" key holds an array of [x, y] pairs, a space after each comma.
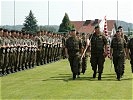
{"points": [[92, 9]]}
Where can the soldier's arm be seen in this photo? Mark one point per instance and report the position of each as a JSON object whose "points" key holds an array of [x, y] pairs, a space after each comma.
{"points": [[105, 46], [111, 49], [127, 49], [66, 50]]}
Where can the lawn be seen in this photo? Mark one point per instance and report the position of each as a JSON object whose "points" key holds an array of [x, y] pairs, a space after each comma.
{"points": [[54, 81]]}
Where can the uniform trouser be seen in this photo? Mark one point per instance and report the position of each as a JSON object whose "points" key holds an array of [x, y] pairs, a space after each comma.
{"points": [[6, 60], [63, 53], [74, 64], [118, 62], [25, 59], [44, 55], [84, 64], [33, 58], [1, 60], [12, 60], [29, 57], [48, 54], [38, 57], [97, 61]]}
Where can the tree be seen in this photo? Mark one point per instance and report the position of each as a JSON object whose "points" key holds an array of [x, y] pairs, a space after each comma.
{"points": [[66, 24], [30, 24]]}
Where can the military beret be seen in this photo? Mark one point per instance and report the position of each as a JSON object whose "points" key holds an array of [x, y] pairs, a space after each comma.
{"points": [[73, 30], [97, 26], [120, 27], [77, 33], [83, 33], [12, 31], [1, 29], [5, 30]]}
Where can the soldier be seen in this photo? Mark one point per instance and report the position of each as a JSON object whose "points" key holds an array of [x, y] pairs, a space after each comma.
{"points": [[6, 51], [1, 50], [73, 50], [98, 51], [118, 53], [63, 45], [38, 40], [120, 28], [84, 59], [130, 52]]}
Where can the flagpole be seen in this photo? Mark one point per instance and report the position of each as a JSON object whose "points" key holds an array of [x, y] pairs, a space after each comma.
{"points": [[48, 12], [117, 13], [14, 14], [82, 15]]}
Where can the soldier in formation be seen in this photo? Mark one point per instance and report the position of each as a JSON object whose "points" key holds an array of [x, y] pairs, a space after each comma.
{"points": [[21, 50]]}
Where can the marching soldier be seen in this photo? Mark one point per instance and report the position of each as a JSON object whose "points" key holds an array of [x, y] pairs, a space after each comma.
{"points": [[120, 28], [84, 59], [130, 52], [98, 52], [118, 53], [73, 51], [63, 45]]}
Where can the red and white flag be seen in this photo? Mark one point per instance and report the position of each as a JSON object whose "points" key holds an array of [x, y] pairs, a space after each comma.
{"points": [[103, 26], [104, 29]]}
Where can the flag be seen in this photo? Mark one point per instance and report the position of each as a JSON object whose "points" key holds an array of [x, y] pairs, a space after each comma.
{"points": [[103, 26], [104, 29]]}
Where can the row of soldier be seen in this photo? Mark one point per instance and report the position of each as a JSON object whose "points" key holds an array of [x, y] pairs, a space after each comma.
{"points": [[20, 50]]}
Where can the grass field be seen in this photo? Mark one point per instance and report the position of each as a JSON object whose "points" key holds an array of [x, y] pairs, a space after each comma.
{"points": [[54, 81]]}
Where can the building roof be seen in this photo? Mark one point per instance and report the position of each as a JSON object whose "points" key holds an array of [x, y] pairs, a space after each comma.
{"points": [[88, 25]]}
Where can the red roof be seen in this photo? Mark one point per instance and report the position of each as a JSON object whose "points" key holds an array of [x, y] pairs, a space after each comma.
{"points": [[88, 25], [77, 24]]}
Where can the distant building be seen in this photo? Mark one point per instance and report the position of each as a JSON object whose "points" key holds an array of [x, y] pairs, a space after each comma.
{"points": [[88, 25]]}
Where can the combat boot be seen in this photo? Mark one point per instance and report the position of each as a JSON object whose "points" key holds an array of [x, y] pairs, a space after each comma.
{"points": [[74, 76], [99, 76], [118, 76], [94, 74]]}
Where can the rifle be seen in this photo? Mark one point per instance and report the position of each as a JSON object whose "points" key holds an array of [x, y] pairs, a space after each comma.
{"points": [[86, 47]]}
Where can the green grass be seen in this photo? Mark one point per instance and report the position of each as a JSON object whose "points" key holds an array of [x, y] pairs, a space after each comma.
{"points": [[54, 81]]}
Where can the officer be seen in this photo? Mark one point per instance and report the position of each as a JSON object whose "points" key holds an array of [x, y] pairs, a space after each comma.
{"points": [[118, 53], [98, 51], [73, 48], [130, 52]]}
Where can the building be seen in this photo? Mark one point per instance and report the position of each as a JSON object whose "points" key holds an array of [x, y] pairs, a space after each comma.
{"points": [[88, 25]]}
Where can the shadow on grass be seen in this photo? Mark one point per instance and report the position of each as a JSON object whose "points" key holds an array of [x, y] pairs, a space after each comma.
{"points": [[68, 77]]}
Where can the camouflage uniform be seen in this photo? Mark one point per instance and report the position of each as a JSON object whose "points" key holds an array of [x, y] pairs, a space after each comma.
{"points": [[84, 59], [1, 55], [74, 45], [118, 45], [98, 41], [39, 50], [130, 47]]}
